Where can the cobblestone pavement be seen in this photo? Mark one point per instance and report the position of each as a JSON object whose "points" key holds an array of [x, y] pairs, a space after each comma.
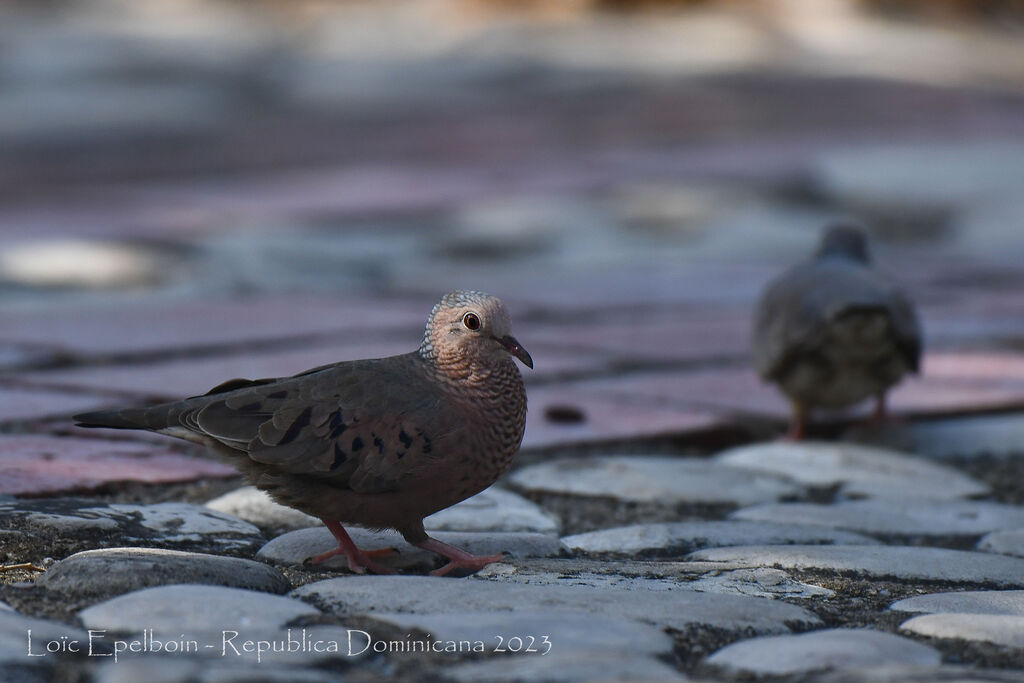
{"points": [[185, 204]]}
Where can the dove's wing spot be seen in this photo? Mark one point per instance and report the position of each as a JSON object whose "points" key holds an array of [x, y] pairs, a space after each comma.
{"points": [[337, 425], [339, 457], [301, 422]]}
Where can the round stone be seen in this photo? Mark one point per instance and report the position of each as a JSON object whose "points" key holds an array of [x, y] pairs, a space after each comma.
{"points": [[674, 539], [113, 571], [564, 629], [257, 507], [760, 582], [15, 645], [584, 666], [61, 526], [893, 517], [1006, 542], [831, 649], [861, 471], [188, 608], [1001, 629], [676, 607], [653, 479], [965, 602], [495, 510], [898, 562]]}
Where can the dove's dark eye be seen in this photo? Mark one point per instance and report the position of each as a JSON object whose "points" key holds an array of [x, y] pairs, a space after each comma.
{"points": [[471, 321]]}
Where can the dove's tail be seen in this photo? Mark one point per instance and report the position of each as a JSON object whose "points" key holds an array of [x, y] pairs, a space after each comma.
{"points": [[131, 418], [162, 418]]}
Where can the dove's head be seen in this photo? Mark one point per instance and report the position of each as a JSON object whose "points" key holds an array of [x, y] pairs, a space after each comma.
{"points": [[845, 240], [467, 326]]}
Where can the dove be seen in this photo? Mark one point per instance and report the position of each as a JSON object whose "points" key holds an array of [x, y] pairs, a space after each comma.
{"points": [[833, 331], [379, 443]]}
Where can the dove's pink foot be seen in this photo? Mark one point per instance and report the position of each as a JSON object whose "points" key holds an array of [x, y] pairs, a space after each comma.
{"points": [[459, 559], [359, 561]]}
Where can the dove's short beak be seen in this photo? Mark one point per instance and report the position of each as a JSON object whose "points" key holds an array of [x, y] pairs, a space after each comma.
{"points": [[516, 349]]}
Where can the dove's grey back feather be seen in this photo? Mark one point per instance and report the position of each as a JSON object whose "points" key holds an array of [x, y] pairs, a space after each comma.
{"points": [[833, 331]]}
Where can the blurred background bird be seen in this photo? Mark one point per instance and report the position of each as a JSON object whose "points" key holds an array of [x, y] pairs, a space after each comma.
{"points": [[834, 331]]}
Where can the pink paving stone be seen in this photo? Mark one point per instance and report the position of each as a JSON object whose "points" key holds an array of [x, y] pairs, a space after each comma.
{"points": [[924, 396], [994, 367], [46, 465], [974, 319], [539, 287], [191, 376], [551, 360], [21, 403], [683, 334], [953, 382], [604, 418], [143, 324], [963, 382], [733, 389]]}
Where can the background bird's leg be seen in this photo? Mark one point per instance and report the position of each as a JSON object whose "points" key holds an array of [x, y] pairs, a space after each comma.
{"points": [[798, 427], [458, 558], [358, 560], [880, 408]]}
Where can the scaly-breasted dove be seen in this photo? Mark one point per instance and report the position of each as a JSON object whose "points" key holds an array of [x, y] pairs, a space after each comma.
{"points": [[379, 443], [833, 331]]}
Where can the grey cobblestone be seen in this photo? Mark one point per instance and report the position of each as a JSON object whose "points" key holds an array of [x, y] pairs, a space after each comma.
{"points": [[894, 518], [903, 562], [823, 650], [675, 539], [421, 595], [652, 479], [859, 471], [192, 608], [114, 571]]}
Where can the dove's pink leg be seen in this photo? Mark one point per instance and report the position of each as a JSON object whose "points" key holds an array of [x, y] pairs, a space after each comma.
{"points": [[358, 560], [798, 427], [458, 558]]}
